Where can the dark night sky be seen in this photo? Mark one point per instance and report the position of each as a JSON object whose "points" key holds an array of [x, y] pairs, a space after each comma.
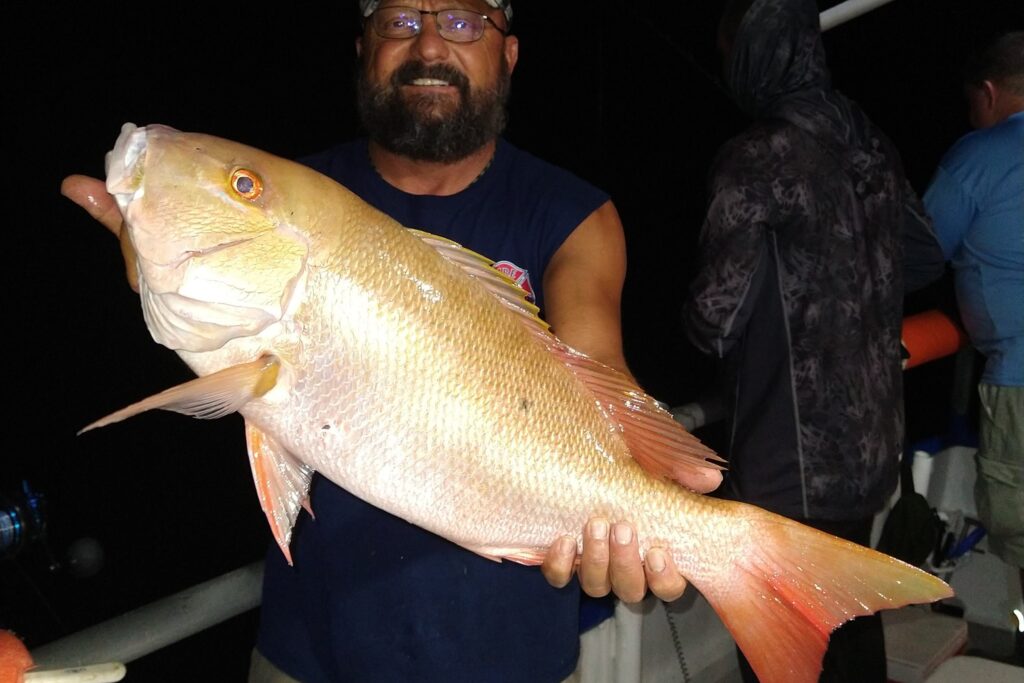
{"points": [[622, 93]]}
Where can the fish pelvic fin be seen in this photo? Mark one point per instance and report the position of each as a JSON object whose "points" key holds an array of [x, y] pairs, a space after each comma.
{"points": [[655, 440], [282, 484], [209, 397], [792, 585]]}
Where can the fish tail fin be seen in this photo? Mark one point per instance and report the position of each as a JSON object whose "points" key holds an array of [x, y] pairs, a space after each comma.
{"points": [[792, 585]]}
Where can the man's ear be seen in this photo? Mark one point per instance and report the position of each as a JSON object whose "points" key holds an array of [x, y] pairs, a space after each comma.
{"points": [[359, 46], [511, 48], [991, 94]]}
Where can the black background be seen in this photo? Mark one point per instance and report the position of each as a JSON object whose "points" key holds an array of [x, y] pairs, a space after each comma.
{"points": [[622, 93]]}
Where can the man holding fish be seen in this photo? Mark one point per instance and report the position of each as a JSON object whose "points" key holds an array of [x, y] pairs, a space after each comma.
{"points": [[370, 596]]}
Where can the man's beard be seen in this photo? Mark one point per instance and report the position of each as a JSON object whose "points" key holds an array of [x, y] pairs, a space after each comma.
{"points": [[415, 129]]}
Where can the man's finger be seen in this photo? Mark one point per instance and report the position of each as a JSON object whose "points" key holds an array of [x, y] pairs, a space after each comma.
{"points": [[91, 195], [624, 568], [663, 578], [560, 562], [594, 563], [131, 269], [702, 480]]}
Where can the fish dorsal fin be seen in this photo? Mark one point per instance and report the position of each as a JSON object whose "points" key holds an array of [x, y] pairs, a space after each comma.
{"points": [[282, 484], [482, 268], [209, 397], [654, 439]]}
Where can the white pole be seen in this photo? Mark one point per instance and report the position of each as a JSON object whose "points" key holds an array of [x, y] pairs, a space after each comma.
{"points": [[96, 673], [159, 624], [844, 11]]}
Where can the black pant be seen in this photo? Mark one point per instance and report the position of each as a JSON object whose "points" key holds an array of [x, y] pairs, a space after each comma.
{"points": [[856, 650]]}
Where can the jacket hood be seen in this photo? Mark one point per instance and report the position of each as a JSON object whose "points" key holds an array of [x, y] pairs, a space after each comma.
{"points": [[777, 54]]}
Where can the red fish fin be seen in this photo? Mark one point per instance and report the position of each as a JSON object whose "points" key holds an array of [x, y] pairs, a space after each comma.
{"points": [[209, 397], [655, 440], [793, 585], [282, 484], [527, 556]]}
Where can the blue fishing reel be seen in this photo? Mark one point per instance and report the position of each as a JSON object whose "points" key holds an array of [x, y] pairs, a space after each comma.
{"points": [[22, 519]]}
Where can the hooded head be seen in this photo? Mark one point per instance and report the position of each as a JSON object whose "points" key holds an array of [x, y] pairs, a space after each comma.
{"points": [[772, 50]]}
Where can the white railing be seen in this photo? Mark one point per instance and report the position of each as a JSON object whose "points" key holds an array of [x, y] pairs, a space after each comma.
{"points": [[844, 11], [151, 627]]}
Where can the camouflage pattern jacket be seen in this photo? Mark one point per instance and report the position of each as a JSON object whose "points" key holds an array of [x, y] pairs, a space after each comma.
{"points": [[802, 277]]}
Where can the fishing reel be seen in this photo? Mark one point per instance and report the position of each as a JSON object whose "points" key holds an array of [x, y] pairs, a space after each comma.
{"points": [[22, 520], [23, 526]]}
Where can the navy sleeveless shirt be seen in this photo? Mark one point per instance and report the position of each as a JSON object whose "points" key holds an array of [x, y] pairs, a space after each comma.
{"points": [[373, 598]]}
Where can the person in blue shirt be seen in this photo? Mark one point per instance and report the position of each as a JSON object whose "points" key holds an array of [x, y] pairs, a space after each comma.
{"points": [[371, 597], [976, 200]]}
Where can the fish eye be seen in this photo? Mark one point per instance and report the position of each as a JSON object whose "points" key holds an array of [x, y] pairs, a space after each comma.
{"points": [[246, 183]]}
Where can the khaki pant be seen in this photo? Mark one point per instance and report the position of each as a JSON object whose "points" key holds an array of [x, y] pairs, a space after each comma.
{"points": [[999, 489]]}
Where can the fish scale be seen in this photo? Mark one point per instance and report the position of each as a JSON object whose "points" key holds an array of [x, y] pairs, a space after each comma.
{"points": [[416, 376]]}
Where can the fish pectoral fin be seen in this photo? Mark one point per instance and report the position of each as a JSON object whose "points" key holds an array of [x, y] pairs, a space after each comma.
{"points": [[209, 397], [282, 483]]}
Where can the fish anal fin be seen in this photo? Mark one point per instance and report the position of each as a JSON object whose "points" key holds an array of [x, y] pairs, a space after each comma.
{"points": [[282, 484], [528, 556], [209, 397], [792, 585]]}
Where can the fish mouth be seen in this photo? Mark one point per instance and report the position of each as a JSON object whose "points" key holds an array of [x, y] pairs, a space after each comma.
{"points": [[124, 165], [125, 168]]}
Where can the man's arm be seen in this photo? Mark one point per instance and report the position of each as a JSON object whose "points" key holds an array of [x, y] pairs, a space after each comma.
{"points": [[583, 288], [923, 261], [583, 293], [734, 261], [951, 210]]}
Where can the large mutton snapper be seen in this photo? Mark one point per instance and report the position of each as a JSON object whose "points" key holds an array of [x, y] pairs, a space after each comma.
{"points": [[313, 314]]}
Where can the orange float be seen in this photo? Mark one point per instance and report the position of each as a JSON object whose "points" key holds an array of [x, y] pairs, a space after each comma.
{"points": [[930, 335], [14, 658]]}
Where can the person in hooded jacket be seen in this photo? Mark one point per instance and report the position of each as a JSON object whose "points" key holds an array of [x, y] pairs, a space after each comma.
{"points": [[811, 238]]}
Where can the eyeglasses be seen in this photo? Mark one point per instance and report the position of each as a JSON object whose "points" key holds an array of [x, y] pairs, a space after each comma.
{"points": [[455, 25]]}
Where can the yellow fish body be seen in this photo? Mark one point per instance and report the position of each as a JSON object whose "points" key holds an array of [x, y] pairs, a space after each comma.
{"points": [[411, 373]]}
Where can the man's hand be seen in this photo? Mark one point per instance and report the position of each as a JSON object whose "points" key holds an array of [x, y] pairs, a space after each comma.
{"points": [[91, 195], [611, 563]]}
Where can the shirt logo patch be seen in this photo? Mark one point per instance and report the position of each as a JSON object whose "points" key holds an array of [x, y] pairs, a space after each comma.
{"points": [[519, 276]]}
